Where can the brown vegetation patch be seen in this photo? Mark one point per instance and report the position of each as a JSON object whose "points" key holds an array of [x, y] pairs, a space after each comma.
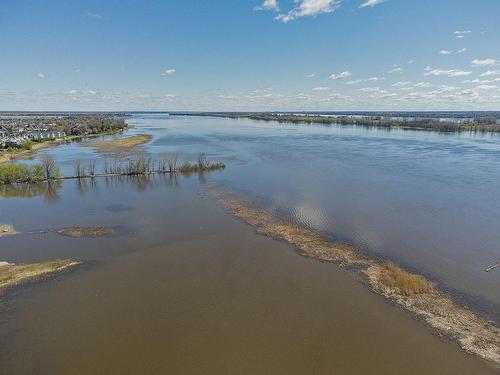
{"points": [[125, 143], [474, 334], [411, 291], [80, 232], [11, 274], [404, 282], [313, 245]]}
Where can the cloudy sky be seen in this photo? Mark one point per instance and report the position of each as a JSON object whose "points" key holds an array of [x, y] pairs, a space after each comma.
{"points": [[249, 55]]}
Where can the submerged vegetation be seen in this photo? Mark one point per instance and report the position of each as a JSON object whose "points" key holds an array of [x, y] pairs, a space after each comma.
{"points": [[47, 169], [15, 274], [202, 165]]}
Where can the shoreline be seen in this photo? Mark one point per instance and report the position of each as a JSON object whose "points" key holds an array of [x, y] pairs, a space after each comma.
{"points": [[382, 123], [437, 308], [12, 155]]}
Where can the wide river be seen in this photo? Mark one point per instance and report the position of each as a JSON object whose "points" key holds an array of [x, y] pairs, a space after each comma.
{"points": [[184, 288]]}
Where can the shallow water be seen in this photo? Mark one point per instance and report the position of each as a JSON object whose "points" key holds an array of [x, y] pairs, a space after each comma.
{"points": [[182, 287]]}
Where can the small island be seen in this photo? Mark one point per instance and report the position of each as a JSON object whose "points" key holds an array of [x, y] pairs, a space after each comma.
{"points": [[16, 274]]}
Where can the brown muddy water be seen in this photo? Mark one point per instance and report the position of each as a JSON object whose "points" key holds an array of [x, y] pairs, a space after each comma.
{"points": [[184, 288]]}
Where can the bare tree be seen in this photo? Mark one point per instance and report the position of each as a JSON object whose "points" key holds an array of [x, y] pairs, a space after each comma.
{"points": [[79, 169], [92, 167], [49, 167], [172, 160], [202, 161]]}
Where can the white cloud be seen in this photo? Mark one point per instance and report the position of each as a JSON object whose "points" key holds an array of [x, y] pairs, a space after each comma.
{"points": [[377, 93], [445, 52], [462, 50], [423, 85], [396, 69], [268, 5], [401, 83], [371, 79], [447, 73], [90, 92], [71, 92], [41, 75], [341, 75], [409, 62], [481, 81], [169, 72], [462, 32], [321, 88], [309, 8], [371, 89], [445, 88], [484, 62], [228, 97], [486, 87], [97, 16], [490, 73], [371, 3], [312, 75]]}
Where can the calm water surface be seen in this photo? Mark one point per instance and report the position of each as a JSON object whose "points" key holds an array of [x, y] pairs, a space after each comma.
{"points": [[183, 287], [429, 201]]}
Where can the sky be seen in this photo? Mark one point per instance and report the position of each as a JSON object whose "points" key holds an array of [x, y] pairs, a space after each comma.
{"points": [[249, 55]]}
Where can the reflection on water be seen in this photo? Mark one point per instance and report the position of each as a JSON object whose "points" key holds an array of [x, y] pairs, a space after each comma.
{"points": [[49, 190]]}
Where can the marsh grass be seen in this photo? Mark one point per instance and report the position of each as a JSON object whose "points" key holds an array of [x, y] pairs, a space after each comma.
{"points": [[406, 283]]}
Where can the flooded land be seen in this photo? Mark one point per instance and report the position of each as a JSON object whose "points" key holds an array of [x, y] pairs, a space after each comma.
{"points": [[337, 237]]}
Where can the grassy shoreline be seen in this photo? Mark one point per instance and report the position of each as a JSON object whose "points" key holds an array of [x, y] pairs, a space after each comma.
{"points": [[412, 292]]}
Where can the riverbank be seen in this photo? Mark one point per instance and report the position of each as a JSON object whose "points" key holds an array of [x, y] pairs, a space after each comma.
{"points": [[412, 292], [14, 154]]}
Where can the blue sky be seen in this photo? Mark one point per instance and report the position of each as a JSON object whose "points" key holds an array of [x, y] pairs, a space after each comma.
{"points": [[249, 55]]}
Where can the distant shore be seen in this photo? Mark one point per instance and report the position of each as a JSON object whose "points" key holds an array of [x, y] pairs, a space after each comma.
{"points": [[486, 124]]}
